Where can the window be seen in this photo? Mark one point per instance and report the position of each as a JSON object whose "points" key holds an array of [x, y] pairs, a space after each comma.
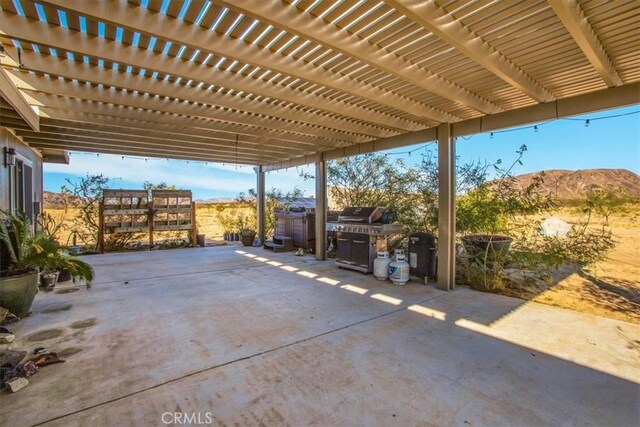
{"points": [[22, 188]]}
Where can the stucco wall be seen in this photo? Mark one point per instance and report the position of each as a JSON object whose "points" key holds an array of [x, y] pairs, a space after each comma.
{"points": [[8, 139]]}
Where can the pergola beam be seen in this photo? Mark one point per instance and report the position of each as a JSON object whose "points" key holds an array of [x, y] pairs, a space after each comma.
{"points": [[12, 95], [128, 151], [73, 109], [247, 111], [315, 29], [436, 20], [37, 87], [605, 99], [107, 140], [75, 41], [59, 107], [573, 18], [162, 26], [133, 127]]}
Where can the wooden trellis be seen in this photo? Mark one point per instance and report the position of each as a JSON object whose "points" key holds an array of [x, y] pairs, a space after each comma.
{"points": [[132, 211]]}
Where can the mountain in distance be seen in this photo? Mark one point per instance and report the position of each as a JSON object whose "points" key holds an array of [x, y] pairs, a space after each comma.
{"points": [[574, 185], [561, 184]]}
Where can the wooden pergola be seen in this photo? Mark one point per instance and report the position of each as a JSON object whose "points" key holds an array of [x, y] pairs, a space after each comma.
{"points": [[284, 83]]}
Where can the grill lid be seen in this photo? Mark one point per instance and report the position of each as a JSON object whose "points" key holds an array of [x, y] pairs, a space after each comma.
{"points": [[368, 214]]}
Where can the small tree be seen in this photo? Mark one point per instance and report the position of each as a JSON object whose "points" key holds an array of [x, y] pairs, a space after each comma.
{"points": [[607, 202], [376, 180], [469, 177], [150, 186], [85, 194]]}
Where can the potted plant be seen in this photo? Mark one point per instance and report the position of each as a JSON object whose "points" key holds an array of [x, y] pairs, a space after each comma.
{"points": [[247, 235], [488, 213], [77, 269], [26, 253], [29, 253], [49, 279], [481, 217]]}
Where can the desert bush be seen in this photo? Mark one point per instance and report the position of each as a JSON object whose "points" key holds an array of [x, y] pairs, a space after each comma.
{"points": [[123, 241], [85, 194], [583, 245], [483, 277], [606, 202], [53, 226], [500, 205], [376, 180]]}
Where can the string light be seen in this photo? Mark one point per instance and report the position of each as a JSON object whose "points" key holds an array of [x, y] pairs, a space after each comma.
{"points": [[587, 123], [409, 151]]}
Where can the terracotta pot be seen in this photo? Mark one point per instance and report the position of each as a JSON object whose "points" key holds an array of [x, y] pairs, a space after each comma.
{"points": [[248, 240]]}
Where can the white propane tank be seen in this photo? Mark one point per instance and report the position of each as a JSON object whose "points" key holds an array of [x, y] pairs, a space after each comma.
{"points": [[399, 270], [397, 252], [381, 266]]}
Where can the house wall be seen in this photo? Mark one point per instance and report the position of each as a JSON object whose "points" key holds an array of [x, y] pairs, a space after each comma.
{"points": [[8, 139]]}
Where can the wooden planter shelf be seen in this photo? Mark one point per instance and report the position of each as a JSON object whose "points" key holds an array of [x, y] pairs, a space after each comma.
{"points": [[140, 211]]}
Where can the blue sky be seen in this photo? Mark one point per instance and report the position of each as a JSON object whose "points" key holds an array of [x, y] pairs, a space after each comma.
{"points": [[562, 144]]}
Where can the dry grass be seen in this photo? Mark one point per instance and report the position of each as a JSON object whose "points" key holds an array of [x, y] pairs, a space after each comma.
{"points": [[610, 289], [207, 220]]}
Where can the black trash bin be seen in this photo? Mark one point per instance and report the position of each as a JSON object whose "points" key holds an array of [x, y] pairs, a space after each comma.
{"points": [[422, 255]]}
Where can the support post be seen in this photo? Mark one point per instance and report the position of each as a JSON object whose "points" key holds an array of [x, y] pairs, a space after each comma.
{"points": [[194, 226], [150, 221], [261, 203], [101, 226], [321, 210], [446, 207]]}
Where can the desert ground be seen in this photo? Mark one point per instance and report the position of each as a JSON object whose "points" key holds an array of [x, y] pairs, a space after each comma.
{"points": [[609, 289]]}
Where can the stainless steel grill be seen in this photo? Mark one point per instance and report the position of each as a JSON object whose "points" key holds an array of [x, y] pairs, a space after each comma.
{"points": [[360, 234]]}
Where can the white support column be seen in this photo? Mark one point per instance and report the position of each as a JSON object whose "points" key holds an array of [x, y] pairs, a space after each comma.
{"points": [[261, 204], [447, 210], [321, 210]]}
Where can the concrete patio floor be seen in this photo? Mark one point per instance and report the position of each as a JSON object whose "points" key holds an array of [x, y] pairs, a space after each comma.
{"points": [[248, 337]]}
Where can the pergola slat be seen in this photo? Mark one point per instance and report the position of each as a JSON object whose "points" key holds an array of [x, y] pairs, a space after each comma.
{"points": [[158, 25], [578, 26], [310, 123], [342, 41], [437, 21], [40, 33], [307, 80]]}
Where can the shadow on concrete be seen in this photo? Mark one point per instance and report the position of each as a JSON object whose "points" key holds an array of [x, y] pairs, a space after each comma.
{"points": [[248, 333]]}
